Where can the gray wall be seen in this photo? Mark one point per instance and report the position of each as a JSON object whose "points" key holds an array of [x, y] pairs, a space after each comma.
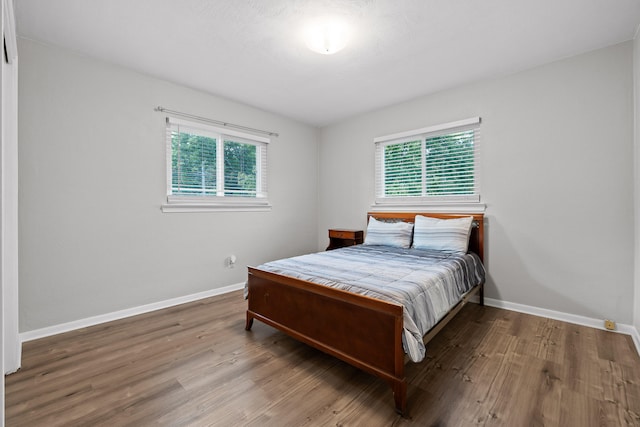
{"points": [[557, 178], [92, 178]]}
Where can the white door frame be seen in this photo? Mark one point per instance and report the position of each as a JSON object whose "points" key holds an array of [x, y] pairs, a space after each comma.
{"points": [[9, 193]]}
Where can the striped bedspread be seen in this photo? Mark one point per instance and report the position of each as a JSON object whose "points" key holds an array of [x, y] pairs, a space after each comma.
{"points": [[426, 283]]}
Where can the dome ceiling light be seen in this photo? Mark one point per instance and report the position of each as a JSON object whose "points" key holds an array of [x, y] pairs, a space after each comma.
{"points": [[327, 37]]}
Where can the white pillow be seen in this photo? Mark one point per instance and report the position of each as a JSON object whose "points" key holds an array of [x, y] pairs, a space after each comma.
{"points": [[396, 234], [442, 234]]}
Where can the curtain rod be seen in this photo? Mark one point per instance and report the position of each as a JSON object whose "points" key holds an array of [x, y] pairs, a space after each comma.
{"points": [[217, 122]]}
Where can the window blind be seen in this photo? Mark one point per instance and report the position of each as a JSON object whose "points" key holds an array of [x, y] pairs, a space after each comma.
{"points": [[203, 162], [244, 164], [193, 161], [438, 163]]}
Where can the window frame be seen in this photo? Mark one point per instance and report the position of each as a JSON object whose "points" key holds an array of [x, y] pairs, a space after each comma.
{"points": [[219, 201], [436, 203]]}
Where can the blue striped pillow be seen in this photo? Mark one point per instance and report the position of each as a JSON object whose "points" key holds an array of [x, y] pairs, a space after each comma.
{"points": [[396, 234], [442, 234]]}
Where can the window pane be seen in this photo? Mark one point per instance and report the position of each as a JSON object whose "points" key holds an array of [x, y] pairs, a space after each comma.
{"points": [[403, 169], [239, 169], [435, 164], [450, 164], [193, 164]]}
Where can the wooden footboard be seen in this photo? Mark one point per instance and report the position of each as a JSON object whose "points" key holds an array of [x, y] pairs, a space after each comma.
{"points": [[362, 331]]}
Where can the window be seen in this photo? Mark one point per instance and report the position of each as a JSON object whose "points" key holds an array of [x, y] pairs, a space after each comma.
{"points": [[434, 164], [209, 168]]}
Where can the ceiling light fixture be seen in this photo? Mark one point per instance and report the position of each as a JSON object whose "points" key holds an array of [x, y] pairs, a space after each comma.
{"points": [[327, 37]]}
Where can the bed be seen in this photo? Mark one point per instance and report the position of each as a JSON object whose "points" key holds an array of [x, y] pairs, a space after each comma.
{"points": [[364, 331]]}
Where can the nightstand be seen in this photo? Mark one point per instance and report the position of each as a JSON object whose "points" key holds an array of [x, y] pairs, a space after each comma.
{"points": [[339, 238]]}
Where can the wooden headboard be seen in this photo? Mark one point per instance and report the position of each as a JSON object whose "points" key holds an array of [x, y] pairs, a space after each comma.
{"points": [[476, 241]]}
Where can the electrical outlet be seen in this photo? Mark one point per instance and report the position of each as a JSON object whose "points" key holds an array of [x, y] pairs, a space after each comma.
{"points": [[609, 325], [230, 262]]}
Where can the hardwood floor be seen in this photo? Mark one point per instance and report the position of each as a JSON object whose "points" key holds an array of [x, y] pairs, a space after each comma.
{"points": [[196, 365]]}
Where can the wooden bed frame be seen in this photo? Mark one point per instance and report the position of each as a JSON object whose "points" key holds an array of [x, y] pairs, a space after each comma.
{"points": [[362, 331]]}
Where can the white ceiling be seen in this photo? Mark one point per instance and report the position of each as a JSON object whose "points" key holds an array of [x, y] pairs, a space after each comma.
{"points": [[253, 50]]}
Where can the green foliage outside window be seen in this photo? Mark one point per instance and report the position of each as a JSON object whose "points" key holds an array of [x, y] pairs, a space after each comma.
{"points": [[239, 169], [447, 167], [194, 166], [403, 169], [449, 164]]}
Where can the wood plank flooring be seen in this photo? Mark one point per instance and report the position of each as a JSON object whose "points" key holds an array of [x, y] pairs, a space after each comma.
{"points": [[195, 365]]}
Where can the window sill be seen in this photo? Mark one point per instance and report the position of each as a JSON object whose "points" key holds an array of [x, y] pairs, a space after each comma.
{"points": [[222, 205]]}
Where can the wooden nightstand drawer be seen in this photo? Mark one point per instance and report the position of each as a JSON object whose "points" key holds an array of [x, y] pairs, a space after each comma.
{"points": [[339, 238], [345, 234]]}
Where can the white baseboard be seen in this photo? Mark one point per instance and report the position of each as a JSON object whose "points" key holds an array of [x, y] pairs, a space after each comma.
{"points": [[565, 317], [108, 317], [635, 334]]}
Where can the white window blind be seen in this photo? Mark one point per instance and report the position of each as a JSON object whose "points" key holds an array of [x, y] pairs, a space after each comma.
{"points": [[244, 163], [211, 167], [434, 164], [193, 168]]}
